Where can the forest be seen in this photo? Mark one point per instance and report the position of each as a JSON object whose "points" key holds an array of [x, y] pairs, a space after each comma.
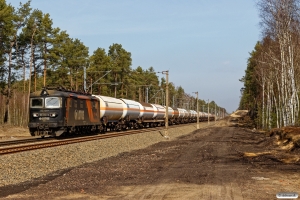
{"points": [[34, 54], [272, 77]]}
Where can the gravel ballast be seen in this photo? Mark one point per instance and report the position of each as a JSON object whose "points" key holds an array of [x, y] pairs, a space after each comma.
{"points": [[21, 167]]}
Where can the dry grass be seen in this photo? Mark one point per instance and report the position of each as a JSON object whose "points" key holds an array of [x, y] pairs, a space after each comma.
{"points": [[8, 131]]}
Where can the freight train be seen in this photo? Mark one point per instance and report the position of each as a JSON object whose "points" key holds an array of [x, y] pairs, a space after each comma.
{"points": [[57, 111]]}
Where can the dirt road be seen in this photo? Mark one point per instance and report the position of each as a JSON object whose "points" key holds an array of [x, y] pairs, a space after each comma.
{"points": [[212, 163]]}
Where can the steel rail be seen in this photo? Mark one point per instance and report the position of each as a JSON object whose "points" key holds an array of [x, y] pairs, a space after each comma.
{"points": [[64, 141], [28, 147], [38, 139], [22, 141]]}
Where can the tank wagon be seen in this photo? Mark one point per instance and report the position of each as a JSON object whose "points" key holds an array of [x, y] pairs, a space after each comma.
{"points": [[120, 114], [56, 111]]}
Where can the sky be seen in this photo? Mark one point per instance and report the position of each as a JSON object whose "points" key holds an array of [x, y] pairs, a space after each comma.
{"points": [[204, 44]]}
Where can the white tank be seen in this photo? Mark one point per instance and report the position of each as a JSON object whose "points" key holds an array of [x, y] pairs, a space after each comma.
{"points": [[202, 114], [186, 113], [193, 114], [134, 109], [149, 111], [161, 111], [111, 108], [189, 113], [181, 112]]}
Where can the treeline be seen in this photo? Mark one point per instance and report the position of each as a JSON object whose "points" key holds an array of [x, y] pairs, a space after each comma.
{"points": [[272, 78], [34, 54]]}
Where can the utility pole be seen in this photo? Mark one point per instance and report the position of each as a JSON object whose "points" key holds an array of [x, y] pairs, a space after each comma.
{"points": [[140, 95], [197, 110], [167, 102], [162, 97], [208, 111], [215, 113]]}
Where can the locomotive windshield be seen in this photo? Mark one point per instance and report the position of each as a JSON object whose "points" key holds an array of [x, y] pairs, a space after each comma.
{"points": [[52, 102], [48, 102], [36, 102]]}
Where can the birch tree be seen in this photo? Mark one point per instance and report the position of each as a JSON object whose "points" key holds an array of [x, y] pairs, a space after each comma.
{"points": [[280, 21]]}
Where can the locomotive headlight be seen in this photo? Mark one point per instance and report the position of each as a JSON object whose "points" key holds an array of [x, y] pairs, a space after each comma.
{"points": [[35, 114], [53, 114]]}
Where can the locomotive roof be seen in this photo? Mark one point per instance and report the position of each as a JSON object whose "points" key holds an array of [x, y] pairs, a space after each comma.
{"points": [[60, 93]]}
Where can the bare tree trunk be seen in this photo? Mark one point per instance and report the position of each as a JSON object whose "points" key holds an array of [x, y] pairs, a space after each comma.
{"points": [[115, 85], [24, 118], [7, 110], [263, 102], [140, 94], [35, 74], [71, 79], [30, 67], [45, 65], [14, 118]]}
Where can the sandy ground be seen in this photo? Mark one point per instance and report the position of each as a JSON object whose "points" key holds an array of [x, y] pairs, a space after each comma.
{"points": [[218, 162]]}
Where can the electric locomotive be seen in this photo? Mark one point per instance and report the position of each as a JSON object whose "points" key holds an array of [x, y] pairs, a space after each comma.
{"points": [[57, 111]]}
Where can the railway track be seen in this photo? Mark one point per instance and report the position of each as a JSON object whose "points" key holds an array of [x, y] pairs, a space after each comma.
{"points": [[15, 146], [23, 141]]}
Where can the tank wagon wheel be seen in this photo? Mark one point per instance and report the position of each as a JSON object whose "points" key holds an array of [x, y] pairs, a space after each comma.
{"points": [[135, 126], [116, 127], [140, 126], [111, 127]]}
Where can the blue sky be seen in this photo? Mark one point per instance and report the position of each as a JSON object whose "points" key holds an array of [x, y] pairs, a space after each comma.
{"points": [[204, 44]]}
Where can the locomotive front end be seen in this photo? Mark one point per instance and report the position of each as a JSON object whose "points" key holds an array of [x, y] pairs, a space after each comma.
{"points": [[46, 115]]}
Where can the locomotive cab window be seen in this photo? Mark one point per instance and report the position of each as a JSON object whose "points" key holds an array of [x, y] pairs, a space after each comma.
{"points": [[36, 102], [52, 102]]}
